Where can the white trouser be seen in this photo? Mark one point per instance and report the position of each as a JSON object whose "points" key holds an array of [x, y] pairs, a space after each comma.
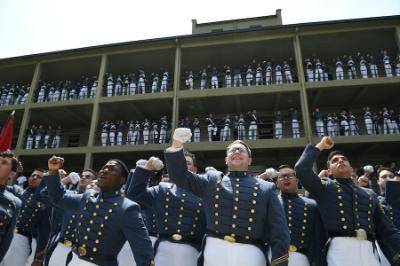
{"points": [[129, 138], [111, 136], [37, 141], [320, 128], [190, 83], [214, 82], [109, 90], [395, 127], [249, 79], [388, 70], [228, 81], [219, 252], [56, 142], [29, 142], [210, 130], [163, 86], [46, 141], [278, 130], [136, 137], [384, 260], [59, 255], [278, 77], [146, 136], [117, 90], [368, 125], [119, 138], [374, 71], [298, 259], [353, 129], [295, 129], [310, 75], [339, 73], [344, 125], [142, 86], [398, 70], [76, 261], [154, 87], [175, 254], [288, 76], [241, 132], [349, 251], [387, 126], [83, 93], [202, 84], [252, 132], [226, 134], [93, 92], [196, 135], [237, 80], [364, 71], [18, 252], [132, 89], [125, 256], [318, 74], [64, 95], [104, 137], [331, 129], [259, 79], [163, 136]]}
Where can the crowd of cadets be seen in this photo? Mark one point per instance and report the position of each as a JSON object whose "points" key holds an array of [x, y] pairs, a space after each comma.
{"points": [[352, 67], [13, 94], [131, 132], [136, 83], [38, 137], [66, 90], [344, 123], [86, 218], [254, 74]]}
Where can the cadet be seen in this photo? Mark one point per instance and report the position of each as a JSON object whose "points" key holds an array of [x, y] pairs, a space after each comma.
{"points": [[179, 214], [105, 127], [38, 136], [373, 67], [363, 67], [211, 127], [214, 78], [237, 77], [268, 74], [387, 123], [243, 212], [241, 128], [294, 116], [344, 124], [142, 80], [64, 93], [351, 68], [49, 131], [146, 131], [9, 204], [33, 226], [132, 84], [106, 219], [319, 122], [288, 72], [278, 122], [253, 127], [189, 81], [154, 86], [136, 133], [57, 138], [93, 89], [110, 85], [120, 132], [226, 132], [259, 75], [352, 124], [164, 82], [306, 232], [118, 86], [154, 133], [196, 130], [29, 137], [318, 71], [42, 93], [163, 130], [278, 74], [249, 76], [83, 93], [386, 64], [368, 121], [309, 70], [203, 79], [129, 135], [339, 69], [228, 77], [352, 216], [111, 133], [330, 125]]}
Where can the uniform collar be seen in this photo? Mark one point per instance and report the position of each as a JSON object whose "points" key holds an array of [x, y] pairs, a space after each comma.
{"points": [[289, 195], [109, 194], [238, 174], [344, 180]]}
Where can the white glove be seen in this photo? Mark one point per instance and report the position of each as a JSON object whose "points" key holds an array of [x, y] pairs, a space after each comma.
{"points": [[141, 163], [74, 177], [210, 168], [369, 169], [182, 134], [271, 173], [157, 163]]}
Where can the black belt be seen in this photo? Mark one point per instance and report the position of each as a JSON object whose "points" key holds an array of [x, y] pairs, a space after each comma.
{"points": [[88, 255], [237, 239], [368, 236]]}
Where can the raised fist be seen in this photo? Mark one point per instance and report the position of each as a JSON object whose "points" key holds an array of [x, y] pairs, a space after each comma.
{"points": [[55, 163], [326, 143], [156, 163], [182, 134]]}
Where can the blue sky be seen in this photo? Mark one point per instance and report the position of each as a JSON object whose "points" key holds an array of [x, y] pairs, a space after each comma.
{"points": [[31, 27]]}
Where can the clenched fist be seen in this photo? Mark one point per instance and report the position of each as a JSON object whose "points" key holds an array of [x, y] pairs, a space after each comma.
{"points": [[54, 164], [326, 143], [182, 134], [156, 163]]}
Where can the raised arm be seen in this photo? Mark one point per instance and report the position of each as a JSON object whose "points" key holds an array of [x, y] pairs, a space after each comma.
{"points": [[177, 168], [138, 190], [304, 166]]}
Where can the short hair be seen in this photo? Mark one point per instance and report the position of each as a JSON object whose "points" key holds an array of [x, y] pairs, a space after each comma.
{"points": [[124, 168], [334, 153], [385, 168], [14, 161], [89, 170], [39, 169], [242, 143], [191, 155], [283, 166]]}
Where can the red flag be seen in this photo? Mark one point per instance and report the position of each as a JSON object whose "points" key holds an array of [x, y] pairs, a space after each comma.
{"points": [[7, 134]]}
